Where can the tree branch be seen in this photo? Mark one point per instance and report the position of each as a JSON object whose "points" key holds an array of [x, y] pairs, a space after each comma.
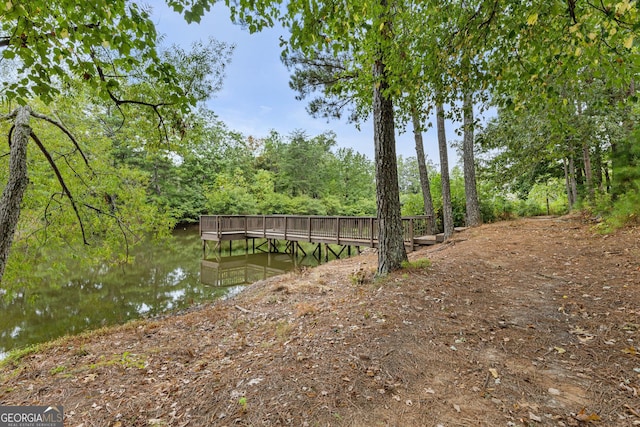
{"points": [[9, 116], [62, 183], [73, 169], [66, 132], [606, 10], [491, 15], [571, 4], [46, 210], [155, 107], [6, 40], [121, 226]]}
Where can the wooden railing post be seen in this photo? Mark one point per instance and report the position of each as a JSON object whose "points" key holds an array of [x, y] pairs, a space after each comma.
{"points": [[286, 223], [338, 230], [411, 232], [371, 230], [309, 218], [218, 227]]}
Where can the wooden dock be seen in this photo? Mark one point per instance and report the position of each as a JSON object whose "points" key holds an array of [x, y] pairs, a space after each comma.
{"points": [[344, 231]]}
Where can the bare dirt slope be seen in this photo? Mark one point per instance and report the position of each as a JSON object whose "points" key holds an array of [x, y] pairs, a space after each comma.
{"points": [[532, 322]]}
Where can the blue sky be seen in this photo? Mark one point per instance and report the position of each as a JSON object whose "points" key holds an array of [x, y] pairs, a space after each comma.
{"points": [[256, 96]]}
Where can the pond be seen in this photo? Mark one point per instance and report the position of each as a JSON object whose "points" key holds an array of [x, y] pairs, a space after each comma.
{"points": [[166, 276]]}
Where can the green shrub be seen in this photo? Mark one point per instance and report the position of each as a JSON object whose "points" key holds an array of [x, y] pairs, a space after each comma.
{"points": [[625, 211]]}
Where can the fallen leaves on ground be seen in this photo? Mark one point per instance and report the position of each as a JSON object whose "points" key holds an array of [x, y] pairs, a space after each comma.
{"points": [[476, 338]]}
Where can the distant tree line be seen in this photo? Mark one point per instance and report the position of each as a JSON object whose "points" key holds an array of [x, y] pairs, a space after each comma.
{"points": [[218, 171]]}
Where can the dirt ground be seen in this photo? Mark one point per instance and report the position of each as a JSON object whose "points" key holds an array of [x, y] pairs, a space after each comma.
{"points": [[531, 322]]}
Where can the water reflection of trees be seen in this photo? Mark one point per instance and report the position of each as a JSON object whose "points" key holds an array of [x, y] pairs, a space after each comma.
{"points": [[165, 276]]}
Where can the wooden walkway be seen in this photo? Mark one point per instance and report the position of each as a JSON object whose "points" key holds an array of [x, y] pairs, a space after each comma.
{"points": [[337, 230]]}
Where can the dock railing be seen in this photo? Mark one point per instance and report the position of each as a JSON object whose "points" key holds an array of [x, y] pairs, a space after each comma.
{"points": [[333, 229]]}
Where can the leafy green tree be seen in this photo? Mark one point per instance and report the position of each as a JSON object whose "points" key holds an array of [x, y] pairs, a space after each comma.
{"points": [[59, 44], [304, 164], [351, 177], [525, 145], [229, 195], [571, 84], [625, 206], [548, 197], [270, 155], [325, 77], [187, 171], [408, 175], [412, 203], [430, 63], [110, 201]]}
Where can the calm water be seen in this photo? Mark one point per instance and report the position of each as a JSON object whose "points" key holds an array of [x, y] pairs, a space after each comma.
{"points": [[166, 276]]}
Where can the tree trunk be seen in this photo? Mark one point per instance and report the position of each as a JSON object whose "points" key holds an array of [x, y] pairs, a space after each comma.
{"points": [[391, 250], [579, 176], [607, 177], [597, 168], [13, 192], [424, 175], [617, 161], [567, 180], [447, 208], [588, 174], [473, 216], [572, 180], [586, 159]]}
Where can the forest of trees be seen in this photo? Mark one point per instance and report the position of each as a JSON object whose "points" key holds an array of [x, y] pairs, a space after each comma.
{"points": [[108, 139]]}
